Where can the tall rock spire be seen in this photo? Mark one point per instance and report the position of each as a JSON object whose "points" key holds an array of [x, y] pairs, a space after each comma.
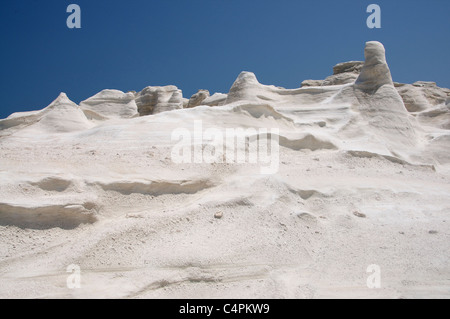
{"points": [[375, 72]]}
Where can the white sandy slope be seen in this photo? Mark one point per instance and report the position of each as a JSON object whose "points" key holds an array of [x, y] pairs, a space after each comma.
{"points": [[361, 181]]}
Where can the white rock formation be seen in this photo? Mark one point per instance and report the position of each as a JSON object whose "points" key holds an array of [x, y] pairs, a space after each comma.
{"points": [[202, 97], [198, 98], [359, 178], [245, 87], [157, 99], [185, 102], [380, 103], [421, 96], [307, 83], [343, 73], [110, 104], [417, 97], [375, 72], [217, 99], [61, 116], [348, 67]]}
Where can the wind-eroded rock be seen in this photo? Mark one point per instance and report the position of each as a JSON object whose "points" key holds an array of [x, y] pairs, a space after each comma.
{"points": [[110, 104], [198, 98], [157, 99]]}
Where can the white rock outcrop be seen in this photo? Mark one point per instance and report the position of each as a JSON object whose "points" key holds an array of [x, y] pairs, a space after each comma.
{"points": [[417, 97], [375, 72], [307, 83], [198, 98], [217, 99], [421, 96], [343, 73], [157, 99], [180, 204], [61, 116], [110, 104], [380, 103], [348, 67], [245, 87]]}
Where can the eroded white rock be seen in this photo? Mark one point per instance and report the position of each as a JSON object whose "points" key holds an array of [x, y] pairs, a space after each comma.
{"points": [[375, 72], [216, 99], [157, 99], [380, 103], [245, 87], [198, 98], [109, 104], [63, 115]]}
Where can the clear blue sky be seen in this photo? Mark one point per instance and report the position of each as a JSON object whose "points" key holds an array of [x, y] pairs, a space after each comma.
{"points": [[205, 44]]}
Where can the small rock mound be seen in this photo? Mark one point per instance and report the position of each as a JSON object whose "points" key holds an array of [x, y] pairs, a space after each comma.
{"points": [[216, 99], [308, 83], [346, 67], [198, 98], [63, 115], [421, 96], [343, 73], [157, 99], [110, 104], [244, 88]]}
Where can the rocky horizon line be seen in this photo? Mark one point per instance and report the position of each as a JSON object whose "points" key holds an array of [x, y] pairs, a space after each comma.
{"points": [[417, 96]]}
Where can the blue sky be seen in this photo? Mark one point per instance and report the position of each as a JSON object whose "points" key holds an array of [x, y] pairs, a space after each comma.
{"points": [[205, 44]]}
